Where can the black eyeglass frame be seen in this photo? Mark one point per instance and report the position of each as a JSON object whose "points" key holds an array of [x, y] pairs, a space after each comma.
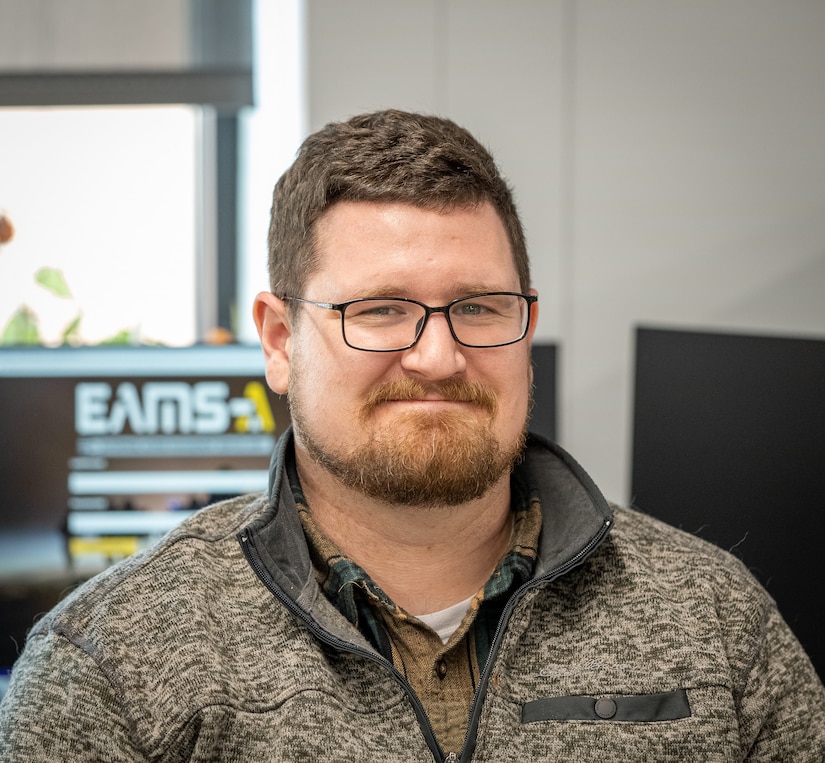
{"points": [[341, 307]]}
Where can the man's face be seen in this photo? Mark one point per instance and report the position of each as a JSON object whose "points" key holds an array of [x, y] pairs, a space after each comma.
{"points": [[438, 423]]}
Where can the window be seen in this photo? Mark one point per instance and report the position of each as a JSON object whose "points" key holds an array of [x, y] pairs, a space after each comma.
{"points": [[155, 215], [107, 196]]}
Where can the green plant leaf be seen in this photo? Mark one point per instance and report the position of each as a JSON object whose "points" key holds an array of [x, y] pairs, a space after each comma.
{"points": [[53, 280], [22, 328], [71, 334], [124, 336]]}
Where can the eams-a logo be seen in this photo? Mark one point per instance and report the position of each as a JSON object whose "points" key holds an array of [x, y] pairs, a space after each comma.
{"points": [[167, 407]]}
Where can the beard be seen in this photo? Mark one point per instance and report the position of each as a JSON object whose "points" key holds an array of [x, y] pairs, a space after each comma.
{"points": [[422, 459]]}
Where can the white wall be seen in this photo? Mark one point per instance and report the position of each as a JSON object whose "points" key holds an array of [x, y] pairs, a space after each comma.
{"points": [[668, 158]]}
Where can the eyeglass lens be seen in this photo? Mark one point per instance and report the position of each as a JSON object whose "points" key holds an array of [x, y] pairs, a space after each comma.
{"points": [[479, 321]]}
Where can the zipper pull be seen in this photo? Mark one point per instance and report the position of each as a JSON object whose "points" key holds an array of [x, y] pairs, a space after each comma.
{"points": [[451, 758]]}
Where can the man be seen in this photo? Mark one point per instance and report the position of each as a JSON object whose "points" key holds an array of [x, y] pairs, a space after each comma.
{"points": [[424, 581]]}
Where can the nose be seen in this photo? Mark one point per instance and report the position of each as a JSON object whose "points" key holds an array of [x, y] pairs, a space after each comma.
{"points": [[436, 354]]}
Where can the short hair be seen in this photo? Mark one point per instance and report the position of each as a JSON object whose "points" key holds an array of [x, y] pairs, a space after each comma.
{"points": [[385, 156]]}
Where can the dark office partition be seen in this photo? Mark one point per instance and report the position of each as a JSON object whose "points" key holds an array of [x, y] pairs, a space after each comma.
{"points": [[729, 444], [545, 363]]}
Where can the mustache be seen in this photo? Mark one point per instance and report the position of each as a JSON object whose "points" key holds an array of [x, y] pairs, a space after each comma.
{"points": [[453, 390]]}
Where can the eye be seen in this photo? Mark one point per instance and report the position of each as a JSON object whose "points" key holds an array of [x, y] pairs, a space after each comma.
{"points": [[484, 306], [472, 308], [379, 310], [487, 308]]}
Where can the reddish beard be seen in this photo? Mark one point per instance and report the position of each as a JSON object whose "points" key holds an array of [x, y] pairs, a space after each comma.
{"points": [[422, 458]]}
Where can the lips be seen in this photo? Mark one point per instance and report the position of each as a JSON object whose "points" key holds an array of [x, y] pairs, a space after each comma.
{"points": [[449, 390]]}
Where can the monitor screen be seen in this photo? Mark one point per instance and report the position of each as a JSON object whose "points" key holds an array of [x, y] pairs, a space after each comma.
{"points": [[728, 443], [107, 448]]}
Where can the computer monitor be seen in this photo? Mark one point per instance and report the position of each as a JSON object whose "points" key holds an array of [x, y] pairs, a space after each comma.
{"points": [[543, 419], [107, 448], [729, 444]]}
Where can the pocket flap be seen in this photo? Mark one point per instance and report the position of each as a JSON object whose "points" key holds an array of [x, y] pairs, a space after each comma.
{"points": [[667, 706]]}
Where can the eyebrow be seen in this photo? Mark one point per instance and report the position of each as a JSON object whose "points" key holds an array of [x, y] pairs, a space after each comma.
{"points": [[463, 290]]}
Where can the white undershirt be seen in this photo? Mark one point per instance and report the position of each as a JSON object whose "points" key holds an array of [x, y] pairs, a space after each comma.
{"points": [[446, 622]]}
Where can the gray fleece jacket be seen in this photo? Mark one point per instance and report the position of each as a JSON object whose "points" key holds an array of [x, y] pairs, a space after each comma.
{"points": [[633, 642]]}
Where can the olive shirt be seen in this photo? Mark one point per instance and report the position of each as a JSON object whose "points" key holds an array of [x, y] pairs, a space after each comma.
{"points": [[444, 676]]}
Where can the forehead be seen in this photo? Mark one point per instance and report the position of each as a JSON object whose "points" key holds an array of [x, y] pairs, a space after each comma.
{"points": [[369, 247]]}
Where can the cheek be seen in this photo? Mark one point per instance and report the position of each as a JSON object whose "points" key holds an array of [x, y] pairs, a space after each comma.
{"points": [[513, 383], [336, 382]]}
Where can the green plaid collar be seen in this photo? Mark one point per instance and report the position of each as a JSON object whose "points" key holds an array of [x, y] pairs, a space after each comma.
{"points": [[356, 595]]}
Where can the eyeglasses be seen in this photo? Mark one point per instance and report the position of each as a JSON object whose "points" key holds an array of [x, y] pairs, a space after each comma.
{"points": [[376, 324]]}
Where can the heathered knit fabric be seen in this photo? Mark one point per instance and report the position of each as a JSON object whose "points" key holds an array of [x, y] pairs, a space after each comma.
{"points": [[183, 654], [444, 676]]}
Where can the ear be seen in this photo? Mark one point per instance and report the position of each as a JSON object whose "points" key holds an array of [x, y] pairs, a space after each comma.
{"points": [[272, 320]]}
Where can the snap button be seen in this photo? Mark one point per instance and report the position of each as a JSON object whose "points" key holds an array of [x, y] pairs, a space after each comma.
{"points": [[605, 708], [441, 668]]}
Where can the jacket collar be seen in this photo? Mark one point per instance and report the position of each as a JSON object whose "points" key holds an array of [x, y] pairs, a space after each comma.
{"points": [[576, 517], [575, 514]]}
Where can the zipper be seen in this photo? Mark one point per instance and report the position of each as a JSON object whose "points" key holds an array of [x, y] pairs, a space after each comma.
{"points": [[475, 708], [248, 547]]}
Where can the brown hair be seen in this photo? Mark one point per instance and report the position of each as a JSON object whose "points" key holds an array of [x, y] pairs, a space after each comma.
{"points": [[386, 156]]}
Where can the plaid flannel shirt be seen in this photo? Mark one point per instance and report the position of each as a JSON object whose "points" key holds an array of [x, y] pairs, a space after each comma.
{"points": [[444, 676]]}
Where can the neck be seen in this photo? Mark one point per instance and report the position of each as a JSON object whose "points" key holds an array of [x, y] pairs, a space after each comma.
{"points": [[424, 558]]}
